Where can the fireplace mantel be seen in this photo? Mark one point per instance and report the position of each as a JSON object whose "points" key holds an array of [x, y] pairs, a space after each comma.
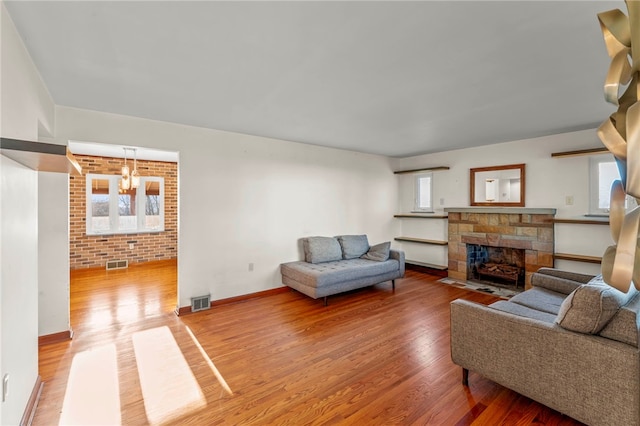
{"points": [[500, 210]]}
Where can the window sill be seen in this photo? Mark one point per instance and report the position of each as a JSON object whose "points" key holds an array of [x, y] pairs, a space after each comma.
{"points": [[109, 234]]}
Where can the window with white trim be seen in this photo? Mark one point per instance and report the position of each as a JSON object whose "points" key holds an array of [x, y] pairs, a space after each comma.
{"points": [[423, 192], [603, 170], [114, 211]]}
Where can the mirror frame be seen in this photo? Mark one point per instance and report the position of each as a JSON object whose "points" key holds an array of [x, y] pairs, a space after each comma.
{"points": [[472, 187]]}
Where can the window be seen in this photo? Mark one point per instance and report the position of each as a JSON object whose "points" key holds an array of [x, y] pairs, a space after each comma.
{"points": [[603, 170], [424, 193], [136, 210]]}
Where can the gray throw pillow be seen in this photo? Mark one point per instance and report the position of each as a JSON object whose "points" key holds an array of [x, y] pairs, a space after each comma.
{"points": [[379, 252], [590, 307], [321, 249], [353, 246]]}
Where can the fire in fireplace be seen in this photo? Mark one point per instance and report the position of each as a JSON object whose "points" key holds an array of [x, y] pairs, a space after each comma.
{"points": [[503, 266]]}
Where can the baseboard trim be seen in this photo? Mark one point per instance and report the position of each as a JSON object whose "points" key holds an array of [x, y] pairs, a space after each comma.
{"points": [[427, 269], [184, 310], [32, 404], [48, 339], [162, 262]]}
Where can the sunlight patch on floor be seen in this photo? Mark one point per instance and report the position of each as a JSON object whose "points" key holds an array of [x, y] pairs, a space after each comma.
{"points": [[168, 385], [152, 307], [100, 317], [92, 396], [210, 363]]}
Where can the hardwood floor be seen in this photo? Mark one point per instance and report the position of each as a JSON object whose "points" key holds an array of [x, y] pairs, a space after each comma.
{"points": [[372, 357]]}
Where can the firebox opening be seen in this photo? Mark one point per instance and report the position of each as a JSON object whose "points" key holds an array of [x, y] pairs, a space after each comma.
{"points": [[500, 266]]}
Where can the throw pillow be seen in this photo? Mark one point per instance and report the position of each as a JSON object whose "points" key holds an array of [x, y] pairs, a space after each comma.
{"points": [[353, 246], [379, 252], [590, 307], [321, 249]]}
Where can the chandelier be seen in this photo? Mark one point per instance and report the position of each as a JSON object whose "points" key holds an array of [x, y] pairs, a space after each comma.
{"points": [[129, 180]]}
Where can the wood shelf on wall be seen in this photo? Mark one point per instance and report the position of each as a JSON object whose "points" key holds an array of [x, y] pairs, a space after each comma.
{"points": [[424, 169], [577, 258], [585, 221], [421, 241], [588, 151], [40, 156], [426, 264], [420, 216]]}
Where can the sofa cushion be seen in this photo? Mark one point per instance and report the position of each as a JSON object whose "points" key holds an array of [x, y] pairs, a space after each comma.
{"points": [[540, 299], [321, 249], [590, 307], [378, 253], [353, 245], [331, 273], [522, 311]]}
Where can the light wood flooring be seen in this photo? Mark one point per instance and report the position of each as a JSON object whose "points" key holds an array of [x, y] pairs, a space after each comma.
{"points": [[372, 357]]}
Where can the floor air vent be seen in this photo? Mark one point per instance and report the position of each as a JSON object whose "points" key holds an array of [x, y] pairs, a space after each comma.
{"points": [[117, 264], [200, 303]]}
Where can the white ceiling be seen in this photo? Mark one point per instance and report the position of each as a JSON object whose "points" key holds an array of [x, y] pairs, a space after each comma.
{"points": [[388, 77]]}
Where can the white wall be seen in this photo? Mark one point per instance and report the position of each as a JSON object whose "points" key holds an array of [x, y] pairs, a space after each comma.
{"points": [[26, 110], [548, 182], [53, 253], [246, 199], [19, 251], [26, 103], [29, 113]]}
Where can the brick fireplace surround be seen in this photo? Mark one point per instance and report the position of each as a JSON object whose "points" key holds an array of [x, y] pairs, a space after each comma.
{"points": [[520, 228]]}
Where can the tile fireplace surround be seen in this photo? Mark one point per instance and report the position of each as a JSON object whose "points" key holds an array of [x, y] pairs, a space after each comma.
{"points": [[530, 229]]}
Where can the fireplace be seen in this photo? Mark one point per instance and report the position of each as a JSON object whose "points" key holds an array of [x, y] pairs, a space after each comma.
{"points": [[503, 266], [529, 230]]}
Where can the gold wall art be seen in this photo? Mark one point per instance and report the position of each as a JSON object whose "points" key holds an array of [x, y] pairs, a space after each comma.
{"points": [[620, 133]]}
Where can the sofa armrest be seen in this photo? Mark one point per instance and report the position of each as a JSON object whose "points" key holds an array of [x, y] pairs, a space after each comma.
{"points": [[399, 256], [569, 372]]}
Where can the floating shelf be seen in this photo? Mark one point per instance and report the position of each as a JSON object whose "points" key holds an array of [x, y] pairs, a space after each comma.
{"points": [[425, 169], [589, 151], [44, 157], [577, 258], [426, 265], [587, 221], [422, 241], [421, 216]]}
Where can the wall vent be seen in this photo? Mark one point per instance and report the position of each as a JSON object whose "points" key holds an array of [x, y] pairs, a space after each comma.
{"points": [[200, 303], [117, 264]]}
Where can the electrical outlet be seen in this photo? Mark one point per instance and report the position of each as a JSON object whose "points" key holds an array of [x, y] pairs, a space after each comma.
{"points": [[131, 246], [250, 267], [568, 200], [442, 201]]}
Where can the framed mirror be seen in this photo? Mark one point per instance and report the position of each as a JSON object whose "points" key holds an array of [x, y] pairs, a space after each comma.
{"points": [[500, 186]]}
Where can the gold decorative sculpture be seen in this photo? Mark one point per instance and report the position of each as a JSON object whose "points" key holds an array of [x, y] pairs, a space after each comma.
{"points": [[620, 133]]}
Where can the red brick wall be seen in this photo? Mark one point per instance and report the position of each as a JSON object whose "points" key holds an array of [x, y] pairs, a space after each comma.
{"points": [[94, 250]]}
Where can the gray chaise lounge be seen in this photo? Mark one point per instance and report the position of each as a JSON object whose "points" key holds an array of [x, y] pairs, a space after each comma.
{"points": [[570, 342], [337, 264]]}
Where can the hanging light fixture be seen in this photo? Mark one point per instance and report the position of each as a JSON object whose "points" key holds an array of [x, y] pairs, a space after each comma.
{"points": [[125, 182], [135, 176]]}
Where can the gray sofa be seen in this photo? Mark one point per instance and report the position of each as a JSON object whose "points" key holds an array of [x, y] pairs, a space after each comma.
{"points": [[570, 342], [337, 264]]}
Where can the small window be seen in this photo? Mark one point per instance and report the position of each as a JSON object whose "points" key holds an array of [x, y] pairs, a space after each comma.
{"points": [[424, 193], [603, 170], [114, 211]]}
